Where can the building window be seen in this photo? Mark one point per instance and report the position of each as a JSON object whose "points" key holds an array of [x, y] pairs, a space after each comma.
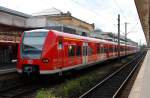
{"points": [[69, 30], [84, 34]]}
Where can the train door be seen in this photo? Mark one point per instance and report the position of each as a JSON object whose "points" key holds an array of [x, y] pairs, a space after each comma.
{"points": [[60, 53], [84, 53]]}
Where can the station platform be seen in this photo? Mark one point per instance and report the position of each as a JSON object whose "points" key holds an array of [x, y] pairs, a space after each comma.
{"points": [[141, 86]]}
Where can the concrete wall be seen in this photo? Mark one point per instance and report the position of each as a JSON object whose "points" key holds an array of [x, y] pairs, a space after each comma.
{"points": [[72, 21], [36, 22], [12, 20]]}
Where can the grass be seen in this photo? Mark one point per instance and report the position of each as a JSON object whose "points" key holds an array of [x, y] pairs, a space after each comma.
{"points": [[71, 88], [74, 87], [45, 93]]}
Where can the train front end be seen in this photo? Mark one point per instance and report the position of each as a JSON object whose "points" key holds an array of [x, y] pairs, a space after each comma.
{"points": [[30, 59]]}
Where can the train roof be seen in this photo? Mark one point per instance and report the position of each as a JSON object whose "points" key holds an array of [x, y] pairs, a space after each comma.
{"points": [[59, 33], [80, 37], [85, 38], [38, 30]]}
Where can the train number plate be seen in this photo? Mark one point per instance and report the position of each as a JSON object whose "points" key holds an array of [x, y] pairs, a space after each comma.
{"points": [[30, 61]]}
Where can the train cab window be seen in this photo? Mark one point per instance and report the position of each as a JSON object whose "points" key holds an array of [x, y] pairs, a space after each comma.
{"points": [[71, 50], [78, 51]]}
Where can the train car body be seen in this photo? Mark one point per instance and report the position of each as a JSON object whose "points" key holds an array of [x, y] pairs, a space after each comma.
{"points": [[49, 51]]}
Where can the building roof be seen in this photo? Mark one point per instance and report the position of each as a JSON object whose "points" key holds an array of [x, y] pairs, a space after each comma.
{"points": [[51, 11], [13, 12], [143, 9]]}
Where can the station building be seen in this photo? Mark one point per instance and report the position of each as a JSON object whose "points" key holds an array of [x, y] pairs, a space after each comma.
{"points": [[12, 23], [110, 36], [56, 19]]}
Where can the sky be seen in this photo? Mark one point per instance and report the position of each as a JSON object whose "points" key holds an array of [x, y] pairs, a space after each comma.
{"points": [[103, 13]]}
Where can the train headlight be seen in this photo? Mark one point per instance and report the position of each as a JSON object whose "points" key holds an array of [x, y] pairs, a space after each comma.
{"points": [[45, 60]]}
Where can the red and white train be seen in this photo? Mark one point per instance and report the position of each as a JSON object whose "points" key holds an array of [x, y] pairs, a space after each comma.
{"points": [[49, 51]]}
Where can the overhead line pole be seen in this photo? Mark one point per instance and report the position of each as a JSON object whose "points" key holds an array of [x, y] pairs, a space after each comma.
{"points": [[125, 37], [119, 36]]}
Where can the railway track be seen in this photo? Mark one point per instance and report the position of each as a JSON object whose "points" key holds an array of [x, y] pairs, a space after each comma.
{"points": [[7, 69], [18, 89], [10, 79], [28, 86], [12, 83], [111, 85]]}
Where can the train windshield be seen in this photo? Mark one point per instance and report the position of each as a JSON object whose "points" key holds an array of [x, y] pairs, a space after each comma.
{"points": [[32, 44]]}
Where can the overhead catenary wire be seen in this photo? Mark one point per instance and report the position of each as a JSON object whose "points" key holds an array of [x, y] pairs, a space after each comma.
{"points": [[133, 27], [91, 10], [99, 14], [124, 16], [120, 10]]}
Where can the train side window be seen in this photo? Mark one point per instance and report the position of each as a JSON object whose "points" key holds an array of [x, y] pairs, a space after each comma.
{"points": [[116, 49], [60, 45], [113, 48], [120, 48], [78, 51], [110, 49], [98, 49], [90, 51], [105, 49], [101, 50], [71, 50]]}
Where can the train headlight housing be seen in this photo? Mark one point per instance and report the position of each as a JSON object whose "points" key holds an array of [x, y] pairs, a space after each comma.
{"points": [[45, 60]]}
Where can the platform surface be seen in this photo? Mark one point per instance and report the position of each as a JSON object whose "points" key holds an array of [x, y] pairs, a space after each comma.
{"points": [[141, 87]]}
